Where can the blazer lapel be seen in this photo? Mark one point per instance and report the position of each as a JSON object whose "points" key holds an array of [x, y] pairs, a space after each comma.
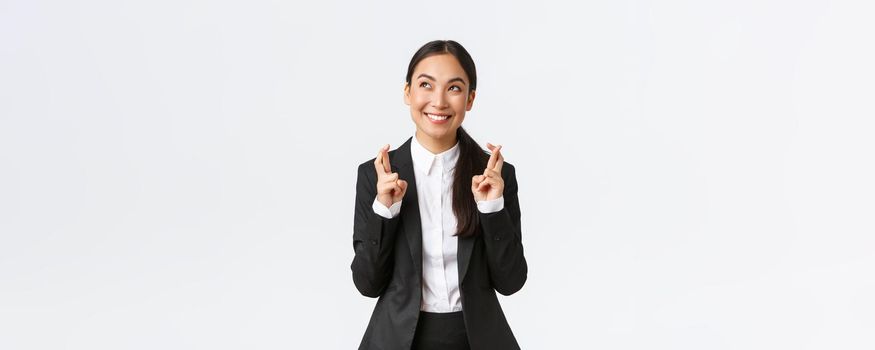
{"points": [[402, 163], [466, 246]]}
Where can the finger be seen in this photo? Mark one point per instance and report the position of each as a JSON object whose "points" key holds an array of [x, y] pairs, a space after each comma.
{"points": [[498, 162], [493, 156], [478, 179], [488, 182], [475, 181], [392, 177], [378, 161], [490, 173], [483, 185], [403, 185], [484, 182], [386, 164]]}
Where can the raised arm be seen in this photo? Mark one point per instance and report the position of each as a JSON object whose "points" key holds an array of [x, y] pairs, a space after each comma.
{"points": [[373, 235], [502, 236]]}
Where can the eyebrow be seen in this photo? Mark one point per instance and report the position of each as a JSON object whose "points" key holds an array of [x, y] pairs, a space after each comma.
{"points": [[429, 77]]}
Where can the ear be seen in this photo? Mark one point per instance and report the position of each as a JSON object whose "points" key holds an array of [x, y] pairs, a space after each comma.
{"points": [[470, 100], [406, 93]]}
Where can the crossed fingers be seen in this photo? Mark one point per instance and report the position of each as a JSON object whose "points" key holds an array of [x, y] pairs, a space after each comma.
{"points": [[492, 174], [496, 160], [390, 188], [382, 162]]}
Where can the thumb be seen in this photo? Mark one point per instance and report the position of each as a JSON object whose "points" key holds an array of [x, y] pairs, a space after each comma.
{"points": [[475, 181], [403, 185]]}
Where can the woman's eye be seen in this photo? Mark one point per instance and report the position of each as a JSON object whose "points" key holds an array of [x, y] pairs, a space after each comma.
{"points": [[455, 87], [424, 84]]}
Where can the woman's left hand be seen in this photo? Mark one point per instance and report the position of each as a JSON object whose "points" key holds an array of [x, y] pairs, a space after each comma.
{"points": [[489, 185]]}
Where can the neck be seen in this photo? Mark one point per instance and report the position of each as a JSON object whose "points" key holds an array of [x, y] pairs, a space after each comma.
{"points": [[435, 146]]}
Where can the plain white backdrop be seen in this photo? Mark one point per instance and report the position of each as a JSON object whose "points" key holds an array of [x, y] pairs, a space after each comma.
{"points": [[181, 174]]}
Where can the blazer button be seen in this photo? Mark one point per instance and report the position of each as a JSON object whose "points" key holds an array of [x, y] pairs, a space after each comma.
{"points": [[374, 241], [497, 238]]}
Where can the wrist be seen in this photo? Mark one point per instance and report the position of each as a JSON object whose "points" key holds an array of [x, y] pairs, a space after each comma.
{"points": [[385, 200]]}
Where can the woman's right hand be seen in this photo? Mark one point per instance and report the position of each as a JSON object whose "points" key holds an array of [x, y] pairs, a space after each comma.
{"points": [[390, 188]]}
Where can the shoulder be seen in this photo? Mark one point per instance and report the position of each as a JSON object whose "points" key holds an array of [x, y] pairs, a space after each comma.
{"points": [[368, 164], [508, 173], [367, 170]]}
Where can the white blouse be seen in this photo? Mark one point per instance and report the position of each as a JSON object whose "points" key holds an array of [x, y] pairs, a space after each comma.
{"points": [[434, 185]]}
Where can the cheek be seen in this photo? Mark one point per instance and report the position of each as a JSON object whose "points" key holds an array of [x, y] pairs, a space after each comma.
{"points": [[460, 103], [418, 100]]}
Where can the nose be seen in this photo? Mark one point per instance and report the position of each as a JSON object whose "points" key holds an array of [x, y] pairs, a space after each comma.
{"points": [[439, 100]]}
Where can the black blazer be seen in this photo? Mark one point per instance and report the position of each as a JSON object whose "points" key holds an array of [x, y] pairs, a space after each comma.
{"points": [[388, 263]]}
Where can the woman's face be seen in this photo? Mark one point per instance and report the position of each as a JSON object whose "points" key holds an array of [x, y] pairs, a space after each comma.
{"points": [[438, 96]]}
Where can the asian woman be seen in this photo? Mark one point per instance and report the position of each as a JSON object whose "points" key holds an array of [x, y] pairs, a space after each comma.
{"points": [[437, 221]]}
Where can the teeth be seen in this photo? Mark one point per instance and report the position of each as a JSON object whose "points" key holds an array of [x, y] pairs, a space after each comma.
{"points": [[437, 117]]}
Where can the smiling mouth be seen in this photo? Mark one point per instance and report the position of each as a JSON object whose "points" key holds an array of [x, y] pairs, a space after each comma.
{"points": [[437, 117]]}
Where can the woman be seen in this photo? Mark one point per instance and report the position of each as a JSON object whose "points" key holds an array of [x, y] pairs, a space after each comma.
{"points": [[437, 221]]}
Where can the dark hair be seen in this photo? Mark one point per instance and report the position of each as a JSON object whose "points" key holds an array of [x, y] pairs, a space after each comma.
{"points": [[472, 158]]}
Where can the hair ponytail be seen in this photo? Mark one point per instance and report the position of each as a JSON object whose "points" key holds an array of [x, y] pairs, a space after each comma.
{"points": [[472, 160]]}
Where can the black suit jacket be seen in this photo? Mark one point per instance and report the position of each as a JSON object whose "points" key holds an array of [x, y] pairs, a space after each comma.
{"points": [[388, 263]]}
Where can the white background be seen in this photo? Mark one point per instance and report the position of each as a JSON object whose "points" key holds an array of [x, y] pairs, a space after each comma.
{"points": [[181, 174]]}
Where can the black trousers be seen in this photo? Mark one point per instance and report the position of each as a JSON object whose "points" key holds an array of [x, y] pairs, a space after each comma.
{"points": [[441, 331]]}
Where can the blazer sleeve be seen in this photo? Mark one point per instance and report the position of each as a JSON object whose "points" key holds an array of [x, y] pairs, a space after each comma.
{"points": [[502, 238], [373, 237]]}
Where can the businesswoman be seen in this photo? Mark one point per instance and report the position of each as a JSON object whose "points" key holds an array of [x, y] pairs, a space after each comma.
{"points": [[437, 221]]}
